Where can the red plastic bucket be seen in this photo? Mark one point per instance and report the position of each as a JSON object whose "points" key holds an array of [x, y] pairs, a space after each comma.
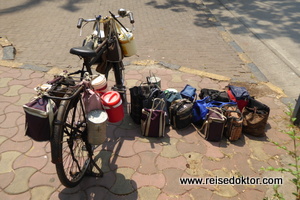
{"points": [[112, 103]]}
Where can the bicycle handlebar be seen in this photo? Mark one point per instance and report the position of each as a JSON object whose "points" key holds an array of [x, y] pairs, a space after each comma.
{"points": [[122, 13]]}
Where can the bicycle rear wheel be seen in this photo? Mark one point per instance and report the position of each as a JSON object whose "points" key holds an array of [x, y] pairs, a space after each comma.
{"points": [[70, 142]]}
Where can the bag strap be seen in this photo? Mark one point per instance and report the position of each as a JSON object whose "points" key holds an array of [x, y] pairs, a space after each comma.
{"points": [[218, 111], [161, 102]]}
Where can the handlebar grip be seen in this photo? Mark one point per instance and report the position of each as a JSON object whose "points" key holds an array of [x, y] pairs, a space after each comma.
{"points": [[79, 23], [131, 17]]}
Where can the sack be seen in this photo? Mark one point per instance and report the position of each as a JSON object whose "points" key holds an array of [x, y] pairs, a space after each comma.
{"points": [[255, 116], [181, 113], [39, 116], [153, 120], [200, 109], [239, 95], [213, 126], [234, 122], [92, 100], [137, 95], [189, 93], [214, 95]]}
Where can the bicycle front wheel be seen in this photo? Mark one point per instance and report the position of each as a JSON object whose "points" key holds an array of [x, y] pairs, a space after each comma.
{"points": [[70, 142]]}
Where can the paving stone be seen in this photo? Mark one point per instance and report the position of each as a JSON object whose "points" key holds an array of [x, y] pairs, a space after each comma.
{"points": [[38, 179], [103, 160], [112, 196], [25, 195], [10, 132], [213, 149], [107, 181], [148, 193], [164, 163], [125, 148], [49, 168], [184, 147], [257, 151], [4, 82], [242, 165], [10, 145], [147, 163], [201, 193], [173, 186], [37, 149], [140, 146], [130, 162], [20, 182], [169, 149], [157, 180], [185, 196], [123, 183], [65, 196], [96, 192], [252, 194], [7, 159], [124, 132], [10, 99], [13, 90], [194, 164], [6, 179], [41, 192], [172, 133], [26, 161]]}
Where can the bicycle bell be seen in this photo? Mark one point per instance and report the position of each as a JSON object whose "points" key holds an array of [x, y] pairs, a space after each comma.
{"points": [[122, 12]]}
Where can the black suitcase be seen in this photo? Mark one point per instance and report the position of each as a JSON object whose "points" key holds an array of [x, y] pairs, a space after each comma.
{"points": [[181, 113]]}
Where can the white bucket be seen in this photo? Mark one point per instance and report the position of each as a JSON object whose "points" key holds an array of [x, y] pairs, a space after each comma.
{"points": [[96, 124], [100, 84], [127, 42]]}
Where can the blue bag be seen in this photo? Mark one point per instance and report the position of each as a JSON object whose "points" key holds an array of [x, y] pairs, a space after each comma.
{"points": [[189, 93], [200, 108], [240, 93]]}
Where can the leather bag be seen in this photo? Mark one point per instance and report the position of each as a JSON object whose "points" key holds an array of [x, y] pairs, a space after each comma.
{"points": [[255, 116], [214, 95]]}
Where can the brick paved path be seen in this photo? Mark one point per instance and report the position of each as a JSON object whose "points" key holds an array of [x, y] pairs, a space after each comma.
{"points": [[136, 167]]}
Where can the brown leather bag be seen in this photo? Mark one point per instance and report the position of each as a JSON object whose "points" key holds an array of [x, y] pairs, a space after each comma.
{"points": [[234, 122], [255, 121]]}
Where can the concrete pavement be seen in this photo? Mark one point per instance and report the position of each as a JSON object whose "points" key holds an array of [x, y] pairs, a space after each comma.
{"points": [[181, 42]]}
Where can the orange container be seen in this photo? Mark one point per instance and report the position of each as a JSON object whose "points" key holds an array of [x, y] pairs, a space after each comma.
{"points": [[112, 104]]}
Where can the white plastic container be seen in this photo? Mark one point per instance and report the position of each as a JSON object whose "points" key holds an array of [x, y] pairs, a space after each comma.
{"points": [[96, 124], [100, 84], [127, 42]]}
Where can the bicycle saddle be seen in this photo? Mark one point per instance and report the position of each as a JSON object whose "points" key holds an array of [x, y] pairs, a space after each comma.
{"points": [[84, 51]]}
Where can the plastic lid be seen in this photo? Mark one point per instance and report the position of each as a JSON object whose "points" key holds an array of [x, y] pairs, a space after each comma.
{"points": [[97, 116], [100, 80], [111, 98]]}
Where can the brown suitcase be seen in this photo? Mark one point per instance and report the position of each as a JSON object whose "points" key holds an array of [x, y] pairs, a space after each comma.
{"points": [[234, 122]]}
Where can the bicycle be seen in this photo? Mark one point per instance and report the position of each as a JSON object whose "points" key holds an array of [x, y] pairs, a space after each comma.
{"points": [[70, 149]]}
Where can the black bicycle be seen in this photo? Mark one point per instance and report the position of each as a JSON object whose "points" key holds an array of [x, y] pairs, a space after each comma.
{"points": [[71, 152]]}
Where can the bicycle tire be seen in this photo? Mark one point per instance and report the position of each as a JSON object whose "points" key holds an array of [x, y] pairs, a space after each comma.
{"points": [[70, 142]]}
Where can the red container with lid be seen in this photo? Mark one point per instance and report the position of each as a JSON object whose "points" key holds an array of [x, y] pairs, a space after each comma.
{"points": [[112, 103]]}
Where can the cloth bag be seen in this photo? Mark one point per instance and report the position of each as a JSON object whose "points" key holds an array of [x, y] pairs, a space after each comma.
{"points": [[114, 51], [189, 93], [92, 100], [153, 120], [39, 116], [213, 127]]}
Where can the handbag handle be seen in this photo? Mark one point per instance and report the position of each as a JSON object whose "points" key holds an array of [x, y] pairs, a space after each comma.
{"points": [[218, 111], [161, 101]]}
